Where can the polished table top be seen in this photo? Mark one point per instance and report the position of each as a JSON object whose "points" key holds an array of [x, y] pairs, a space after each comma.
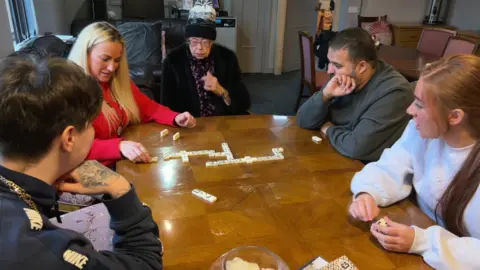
{"points": [[295, 207], [407, 61]]}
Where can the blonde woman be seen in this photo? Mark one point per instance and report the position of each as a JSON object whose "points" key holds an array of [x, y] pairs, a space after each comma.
{"points": [[438, 158], [100, 50]]}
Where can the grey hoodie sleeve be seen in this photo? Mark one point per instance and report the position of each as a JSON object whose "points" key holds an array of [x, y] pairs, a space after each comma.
{"points": [[379, 127], [313, 113]]}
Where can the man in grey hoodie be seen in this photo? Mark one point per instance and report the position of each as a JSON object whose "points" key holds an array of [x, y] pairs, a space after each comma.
{"points": [[362, 108]]}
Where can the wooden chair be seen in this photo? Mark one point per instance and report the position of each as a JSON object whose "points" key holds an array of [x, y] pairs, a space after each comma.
{"points": [[310, 78], [459, 45], [434, 40]]}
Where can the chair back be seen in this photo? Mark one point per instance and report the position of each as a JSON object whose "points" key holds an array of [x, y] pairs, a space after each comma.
{"points": [[434, 40], [307, 58], [459, 45]]}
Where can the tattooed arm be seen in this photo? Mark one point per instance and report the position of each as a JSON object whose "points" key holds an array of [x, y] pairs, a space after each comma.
{"points": [[136, 242], [92, 178]]}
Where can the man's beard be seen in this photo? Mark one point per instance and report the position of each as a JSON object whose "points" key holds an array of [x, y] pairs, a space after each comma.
{"points": [[356, 79]]}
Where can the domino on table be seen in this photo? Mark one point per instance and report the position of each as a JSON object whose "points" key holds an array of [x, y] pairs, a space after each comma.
{"points": [[154, 160], [164, 133], [176, 136], [171, 156], [203, 195], [316, 139], [184, 156]]}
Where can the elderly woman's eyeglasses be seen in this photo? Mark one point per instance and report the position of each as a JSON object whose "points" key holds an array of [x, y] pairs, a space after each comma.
{"points": [[204, 42]]}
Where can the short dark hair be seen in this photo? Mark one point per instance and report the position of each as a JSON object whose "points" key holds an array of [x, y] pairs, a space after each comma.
{"points": [[358, 43], [39, 98], [30, 51]]}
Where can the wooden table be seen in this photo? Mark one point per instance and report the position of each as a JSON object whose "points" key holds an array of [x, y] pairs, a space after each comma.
{"points": [[407, 61], [296, 207]]}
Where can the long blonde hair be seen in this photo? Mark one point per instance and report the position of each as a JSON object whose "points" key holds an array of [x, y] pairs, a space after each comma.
{"points": [[456, 85], [90, 36]]}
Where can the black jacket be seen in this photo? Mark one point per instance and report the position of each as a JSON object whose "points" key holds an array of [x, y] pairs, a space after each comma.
{"points": [[178, 85], [22, 246]]}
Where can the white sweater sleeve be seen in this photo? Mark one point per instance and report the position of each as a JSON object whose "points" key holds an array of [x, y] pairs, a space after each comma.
{"points": [[389, 179], [443, 250]]}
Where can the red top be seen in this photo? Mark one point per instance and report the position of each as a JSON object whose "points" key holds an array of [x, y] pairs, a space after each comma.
{"points": [[106, 146]]}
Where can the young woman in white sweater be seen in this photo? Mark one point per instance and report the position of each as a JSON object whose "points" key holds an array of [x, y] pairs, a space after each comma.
{"points": [[438, 157]]}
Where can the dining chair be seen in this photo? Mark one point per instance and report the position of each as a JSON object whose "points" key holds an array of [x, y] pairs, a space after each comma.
{"points": [[313, 80], [458, 45], [434, 40]]}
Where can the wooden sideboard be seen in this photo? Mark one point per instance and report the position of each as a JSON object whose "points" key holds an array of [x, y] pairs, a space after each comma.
{"points": [[408, 35]]}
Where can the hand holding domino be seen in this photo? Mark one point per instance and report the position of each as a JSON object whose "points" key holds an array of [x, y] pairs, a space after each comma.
{"points": [[382, 222]]}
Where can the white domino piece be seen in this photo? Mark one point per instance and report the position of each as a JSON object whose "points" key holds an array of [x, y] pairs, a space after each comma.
{"points": [[227, 151], [211, 164], [276, 152], [154, 160], [316, 139], [203, 195], [172, 156], [195, 153], [382, 222], [205, 152], [217, 155], [176, 136], [164, 133], [184, 157]]}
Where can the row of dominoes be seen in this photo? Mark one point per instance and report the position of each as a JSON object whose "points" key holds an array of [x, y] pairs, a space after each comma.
{"points": [[217, 155], [172, 156], [245, 160], [188, 154], [164, 133], [200, 153], [210, 153]]}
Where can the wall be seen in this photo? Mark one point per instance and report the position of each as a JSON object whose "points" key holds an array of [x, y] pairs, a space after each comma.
{"points": [[116, 7], [464, 14], [347, 19], [398, 11], [50, 16], [6, 42], [79, 9]]}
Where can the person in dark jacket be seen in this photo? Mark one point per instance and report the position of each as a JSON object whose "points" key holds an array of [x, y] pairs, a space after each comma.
{"points": [[47, 107], [201, 77]]}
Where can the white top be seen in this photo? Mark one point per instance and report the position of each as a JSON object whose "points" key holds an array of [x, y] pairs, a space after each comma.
{"points": [[429, 165]]}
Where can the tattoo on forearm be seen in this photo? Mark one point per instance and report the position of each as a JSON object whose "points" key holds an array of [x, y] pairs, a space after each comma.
{"points": [[94, 174]]}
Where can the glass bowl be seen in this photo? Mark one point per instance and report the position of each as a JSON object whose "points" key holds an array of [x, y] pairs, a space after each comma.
{"points": [[264, 258]]}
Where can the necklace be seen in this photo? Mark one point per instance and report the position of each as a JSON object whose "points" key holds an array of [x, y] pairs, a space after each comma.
{"points": [[20, 192], [120, 127]]}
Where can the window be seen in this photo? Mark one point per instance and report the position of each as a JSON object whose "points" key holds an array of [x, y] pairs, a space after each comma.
{"points": [[22, 20]]}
